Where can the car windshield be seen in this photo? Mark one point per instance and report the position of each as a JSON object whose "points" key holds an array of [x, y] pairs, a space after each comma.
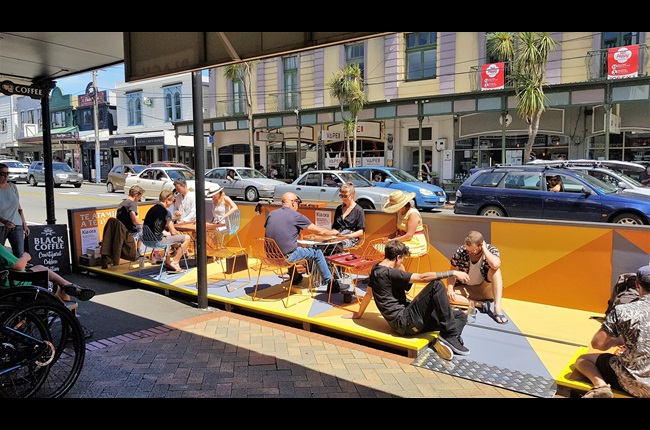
{"points": [[138, 168], [12, 163], [251, 174], [403, 176], [355, 178], [180, 173], [61, 166], [597, 183]]}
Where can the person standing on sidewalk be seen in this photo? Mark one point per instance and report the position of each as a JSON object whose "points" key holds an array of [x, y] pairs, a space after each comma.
{"points": [[13, 227], [430, 310]]}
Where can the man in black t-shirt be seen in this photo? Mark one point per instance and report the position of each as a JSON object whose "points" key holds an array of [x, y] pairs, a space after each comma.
{"points": [[428, 311]]}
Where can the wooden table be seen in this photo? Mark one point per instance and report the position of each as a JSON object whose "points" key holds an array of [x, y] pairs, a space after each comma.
{"points": [[190, 229]]}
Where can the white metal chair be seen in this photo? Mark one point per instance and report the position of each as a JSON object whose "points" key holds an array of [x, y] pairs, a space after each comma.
{"points": [[150, 240], [235, 221]]}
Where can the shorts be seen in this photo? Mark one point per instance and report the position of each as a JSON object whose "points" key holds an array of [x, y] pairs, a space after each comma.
{"points": [[482, 291]]}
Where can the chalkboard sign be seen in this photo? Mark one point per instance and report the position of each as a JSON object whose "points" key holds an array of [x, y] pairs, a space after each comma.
{"points": [[48, 246]]}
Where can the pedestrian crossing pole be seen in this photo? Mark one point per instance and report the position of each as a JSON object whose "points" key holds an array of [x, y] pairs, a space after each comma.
{"points": [[98, 169]]}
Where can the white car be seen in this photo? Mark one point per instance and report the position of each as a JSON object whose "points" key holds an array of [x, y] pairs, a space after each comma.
{"points": [[17, 171], [247, 183], [609, 171], [322, 186]]}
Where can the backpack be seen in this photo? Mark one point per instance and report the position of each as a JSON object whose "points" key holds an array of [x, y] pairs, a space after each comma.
{"points": [[623, 291]]}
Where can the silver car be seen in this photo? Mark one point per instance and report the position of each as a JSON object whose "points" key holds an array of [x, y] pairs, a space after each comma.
{"points": [[322, 186], [61, 172], [17, 171], [155, 179], [243, 182]]}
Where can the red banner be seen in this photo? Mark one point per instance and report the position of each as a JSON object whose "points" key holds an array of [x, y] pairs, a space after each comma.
{"points": [[493, 76], [623, 62]]}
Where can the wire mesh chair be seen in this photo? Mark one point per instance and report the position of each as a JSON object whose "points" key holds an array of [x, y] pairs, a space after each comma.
{"points": [[272, 258], [149, 240], [410, 260], [235, 221]]}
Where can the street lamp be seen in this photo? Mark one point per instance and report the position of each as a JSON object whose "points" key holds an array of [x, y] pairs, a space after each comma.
{"points": [[298, 143]]}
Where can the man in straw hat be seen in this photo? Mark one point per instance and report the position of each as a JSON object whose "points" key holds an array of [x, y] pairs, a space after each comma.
{"points": [[428, 311]]}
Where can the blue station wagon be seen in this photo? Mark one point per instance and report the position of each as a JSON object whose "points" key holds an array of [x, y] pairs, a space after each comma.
{"points": [[521, 191], [427, 196]]}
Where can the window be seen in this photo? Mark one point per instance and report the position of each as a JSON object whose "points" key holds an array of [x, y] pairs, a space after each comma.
{"points": [[3, 125], [414, 134], [614, 39], [88, 118], [134, 108], [238, 97], [421, 52], [354, 54], [291, 99], [172, 97], [57, 119]]}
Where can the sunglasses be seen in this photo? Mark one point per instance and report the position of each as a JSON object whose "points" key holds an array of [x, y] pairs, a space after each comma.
{"points": [[297, 201], [4, 173], [344, 196]]}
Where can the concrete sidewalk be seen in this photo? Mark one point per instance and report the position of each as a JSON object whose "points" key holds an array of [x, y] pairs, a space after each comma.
{"points": [[148, 345]]}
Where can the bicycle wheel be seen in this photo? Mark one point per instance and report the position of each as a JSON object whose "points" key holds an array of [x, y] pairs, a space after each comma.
{"points": [[25, 352], [66, 334]]}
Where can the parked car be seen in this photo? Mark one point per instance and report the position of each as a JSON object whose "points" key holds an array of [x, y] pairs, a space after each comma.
{"points": [[247, 183], [61, 172], [427, 196], [521, 191], [168, 164], [322, 186], [610, 171], [118, 174], [155, 179], [17, 170]]}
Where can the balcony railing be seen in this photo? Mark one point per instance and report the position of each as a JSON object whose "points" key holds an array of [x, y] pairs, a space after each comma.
{"points": [[475, 77], [596, 62]]}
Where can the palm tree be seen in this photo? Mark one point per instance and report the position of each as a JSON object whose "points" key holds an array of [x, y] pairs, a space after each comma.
{"points": [[347, 86], [529, 53], [243, 72]]}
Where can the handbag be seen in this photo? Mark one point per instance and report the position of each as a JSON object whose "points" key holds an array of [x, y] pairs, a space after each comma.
{"points": [[236, 263]]}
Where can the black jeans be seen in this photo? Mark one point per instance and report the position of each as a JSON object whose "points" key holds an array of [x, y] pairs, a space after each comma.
{"points": [[430, 311]]}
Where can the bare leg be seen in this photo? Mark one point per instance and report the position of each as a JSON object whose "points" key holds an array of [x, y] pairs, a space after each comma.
{"points": [[497, 289], [56, 279], [586, 364]]}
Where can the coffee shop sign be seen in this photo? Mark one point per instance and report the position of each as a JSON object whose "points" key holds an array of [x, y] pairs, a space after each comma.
{"points": [[9, 88]]}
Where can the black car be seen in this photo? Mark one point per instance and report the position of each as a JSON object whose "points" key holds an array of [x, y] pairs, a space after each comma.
{"points": [[521, 191]]}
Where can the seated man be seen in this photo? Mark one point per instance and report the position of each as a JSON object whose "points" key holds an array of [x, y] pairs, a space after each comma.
{"points": [[10, 262], [329, 181], [428, 311], [284, 225], [482, 262]]}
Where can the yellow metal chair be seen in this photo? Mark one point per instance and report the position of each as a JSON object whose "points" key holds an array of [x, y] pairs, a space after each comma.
{"points": [[270, 257]]}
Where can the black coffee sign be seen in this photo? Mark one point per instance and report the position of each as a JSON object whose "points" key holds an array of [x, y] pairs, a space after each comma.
{"points": [[48, 246]]}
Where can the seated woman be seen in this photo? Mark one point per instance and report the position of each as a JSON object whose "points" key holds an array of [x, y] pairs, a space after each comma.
{"points": [[349, 218], [409, 223], [222, 208]]}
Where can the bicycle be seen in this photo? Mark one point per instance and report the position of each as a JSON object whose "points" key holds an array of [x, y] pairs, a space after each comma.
{"points": [[42, 347]]}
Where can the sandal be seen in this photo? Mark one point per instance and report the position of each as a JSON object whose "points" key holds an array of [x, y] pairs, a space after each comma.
{"points": [[501, 318]]}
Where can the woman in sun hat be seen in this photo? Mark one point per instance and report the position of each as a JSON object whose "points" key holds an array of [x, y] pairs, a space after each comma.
{"points": [[222, 208], [409, 222]]}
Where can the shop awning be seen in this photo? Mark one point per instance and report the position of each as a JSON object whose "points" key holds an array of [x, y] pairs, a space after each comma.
{"points": [[58, 134]]}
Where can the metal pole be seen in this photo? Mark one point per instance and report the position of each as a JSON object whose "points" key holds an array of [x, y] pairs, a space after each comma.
{"points": [[97, 157], [298, 144], [420, 118]]}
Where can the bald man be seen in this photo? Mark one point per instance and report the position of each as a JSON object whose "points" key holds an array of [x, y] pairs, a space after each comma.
{"points": [[284, 226]]}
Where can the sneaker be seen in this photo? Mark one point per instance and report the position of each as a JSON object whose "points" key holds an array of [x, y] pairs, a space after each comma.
{"points": [[443, 350], [604, 392], [83, 294], [455, 344]]}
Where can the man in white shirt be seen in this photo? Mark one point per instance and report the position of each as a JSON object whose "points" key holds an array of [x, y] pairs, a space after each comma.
{"points": [[185, 204]]}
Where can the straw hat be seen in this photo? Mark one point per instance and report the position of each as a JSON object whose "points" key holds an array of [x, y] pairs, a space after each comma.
{"points": [[213, 189], [398, 199]]}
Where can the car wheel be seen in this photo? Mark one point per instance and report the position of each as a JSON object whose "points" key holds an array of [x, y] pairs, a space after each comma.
{"points": [[251, 194], [628, 219], [365, 204], [32, 181], [57, 185], [109, 187], [77, 185], [492, 211]]}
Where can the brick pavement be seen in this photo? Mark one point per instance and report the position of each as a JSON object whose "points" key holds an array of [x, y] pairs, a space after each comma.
{"points": [[229, 355]]}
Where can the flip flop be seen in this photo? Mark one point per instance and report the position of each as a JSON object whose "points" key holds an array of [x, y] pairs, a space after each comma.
{"points": [[501, 318], [171, 269]]}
